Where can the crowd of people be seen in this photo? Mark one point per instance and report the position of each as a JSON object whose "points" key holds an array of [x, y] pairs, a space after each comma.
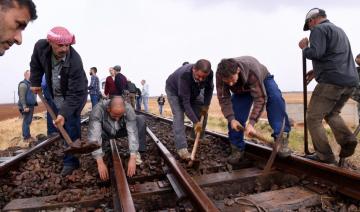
{"points": [[244, 86]]}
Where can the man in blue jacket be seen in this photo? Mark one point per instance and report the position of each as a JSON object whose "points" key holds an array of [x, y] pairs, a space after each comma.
{"points": [[335, 72], [66, 82], [189, 90], [27, 102]]}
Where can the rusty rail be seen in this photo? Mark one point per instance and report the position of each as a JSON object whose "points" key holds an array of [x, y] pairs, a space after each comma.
{"points": [[200, 200], [7, 165], [346, 181], [122, 186]]}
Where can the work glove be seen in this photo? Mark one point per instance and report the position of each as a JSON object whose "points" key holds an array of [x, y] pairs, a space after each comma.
{"points": [[198, 127], [204, 110]]}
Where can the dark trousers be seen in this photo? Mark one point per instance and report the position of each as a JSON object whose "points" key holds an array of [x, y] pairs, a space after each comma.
{"points": [[27, 119], [138, 103], [275, 108]]}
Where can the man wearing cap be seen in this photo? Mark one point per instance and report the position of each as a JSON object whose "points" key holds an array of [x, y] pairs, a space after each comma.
{"points": [[335, 72], [14, 17], [189, 90], [66, 82]]}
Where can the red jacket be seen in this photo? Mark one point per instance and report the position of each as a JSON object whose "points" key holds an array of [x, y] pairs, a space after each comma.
{"points": [[110, 88]]}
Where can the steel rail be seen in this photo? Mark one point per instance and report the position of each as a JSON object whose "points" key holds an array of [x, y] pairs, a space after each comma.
{"points": [[122, 186], [197, 196], [7, 165], [346, 181]]}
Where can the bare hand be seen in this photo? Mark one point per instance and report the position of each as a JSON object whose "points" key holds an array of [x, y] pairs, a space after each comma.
{"points": [[26, 109], [59, 121], [249, 130], [131, 166], [309, 76], [35, 90], [102, 169], [304, 43], [235, 125], [198, 127]]}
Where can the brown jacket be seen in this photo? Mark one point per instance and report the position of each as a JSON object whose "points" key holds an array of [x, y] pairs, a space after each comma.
{"points": [[251, 79]]}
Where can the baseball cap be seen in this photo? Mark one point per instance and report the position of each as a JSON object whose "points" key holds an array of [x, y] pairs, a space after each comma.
{"points": [[313, 13]]}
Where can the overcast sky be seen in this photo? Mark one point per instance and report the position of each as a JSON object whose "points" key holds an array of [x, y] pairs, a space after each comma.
{"points": [[150, 39]]}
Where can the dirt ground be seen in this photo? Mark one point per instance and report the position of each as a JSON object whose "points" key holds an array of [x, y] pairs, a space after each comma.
{"points": [[8, 111]]}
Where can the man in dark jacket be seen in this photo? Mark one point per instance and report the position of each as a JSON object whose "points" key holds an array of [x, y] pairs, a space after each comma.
{"points": [[335, 72], [189, 90], [161, 103], [120, 81], [27, 102], [66, 81]]}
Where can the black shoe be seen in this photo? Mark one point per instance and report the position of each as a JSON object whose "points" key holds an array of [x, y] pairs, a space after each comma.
{"points": [[315, 157], [67, 170], [348, 149]]}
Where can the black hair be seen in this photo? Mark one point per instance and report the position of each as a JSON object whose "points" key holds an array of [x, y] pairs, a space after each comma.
{"points": [[94, 69], [203, 65], [226, 68], [185, 63], [29, 4]]}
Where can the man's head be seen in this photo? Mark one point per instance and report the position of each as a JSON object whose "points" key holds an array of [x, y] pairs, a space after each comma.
{"points": [[201, 70], [143, 82], [357, 59], [14, 17], [60, 40], [229, 71], [27, 75], [313, 18], [117, 68], [116, 107], [93, 71]]}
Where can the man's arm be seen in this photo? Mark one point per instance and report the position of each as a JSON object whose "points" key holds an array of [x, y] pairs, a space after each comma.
{"points": [[184, 89], [22, 95], [224, 97], [317, 45], [259, 98], [95, 130], [36, 68], [209, 89]]}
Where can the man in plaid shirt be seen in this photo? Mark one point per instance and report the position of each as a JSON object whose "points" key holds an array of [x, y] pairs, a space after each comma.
{"points": [[94, 88]]}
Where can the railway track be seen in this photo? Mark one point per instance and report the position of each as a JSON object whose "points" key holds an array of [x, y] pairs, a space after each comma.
{"points": [[164, 183]]}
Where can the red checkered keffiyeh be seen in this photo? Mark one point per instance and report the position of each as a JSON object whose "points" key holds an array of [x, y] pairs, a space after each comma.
{"points": [[61, 35]]}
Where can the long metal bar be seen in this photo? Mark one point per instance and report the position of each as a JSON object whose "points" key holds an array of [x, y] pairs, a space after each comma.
{"points": [[198, 197], [122, 186], [306, 142], [347, 182], [5, 167]]}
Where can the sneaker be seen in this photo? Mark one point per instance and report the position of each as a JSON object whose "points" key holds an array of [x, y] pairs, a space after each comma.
{"points": [[236, 155], [138, 159], [284, 150], [67, 170], [315, 157], [184, 154], [348, 149]]}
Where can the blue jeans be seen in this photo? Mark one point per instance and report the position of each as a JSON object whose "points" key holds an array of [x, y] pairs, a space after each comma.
{"points": [[146, 103], [275, 108], [94, 99], [27, 119], [138, 103], [161, 109]]}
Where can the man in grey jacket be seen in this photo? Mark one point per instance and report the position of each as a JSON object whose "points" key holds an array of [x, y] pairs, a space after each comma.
{"points": [[111, 119], [335, 72]]}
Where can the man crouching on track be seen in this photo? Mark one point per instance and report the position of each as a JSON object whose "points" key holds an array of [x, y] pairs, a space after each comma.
{"points": [[243, 82], [111, 119], [189, 89]]}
